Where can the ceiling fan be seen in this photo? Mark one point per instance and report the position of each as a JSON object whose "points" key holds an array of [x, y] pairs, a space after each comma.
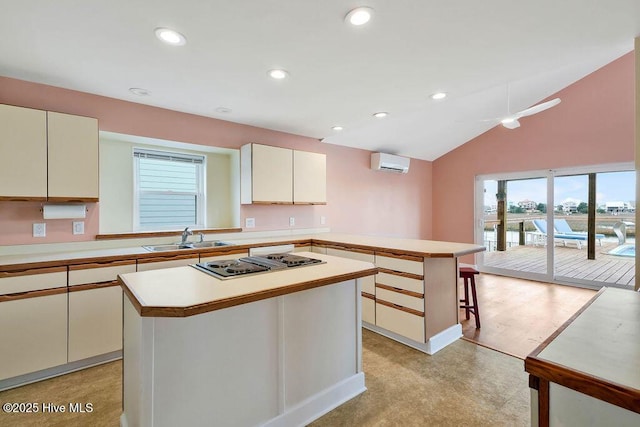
{"points": [[511, 121]]}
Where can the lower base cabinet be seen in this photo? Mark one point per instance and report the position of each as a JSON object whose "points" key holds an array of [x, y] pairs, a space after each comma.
{"points": [[33, 334], [95, 322], [368, 310]]}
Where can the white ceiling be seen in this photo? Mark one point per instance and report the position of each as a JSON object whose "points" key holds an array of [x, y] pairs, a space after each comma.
{"points": [[339, 75]]}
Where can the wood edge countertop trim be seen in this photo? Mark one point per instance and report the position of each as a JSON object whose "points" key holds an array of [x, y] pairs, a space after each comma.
{"points": [[402, 274], [392, 253], [409, 256], [399, 307], [168, 257], [32, 271], [73, 199], [89, 286], [591, 385], [33, 294], [137, 235], [400, 291], [151, 311], [348, 248]]}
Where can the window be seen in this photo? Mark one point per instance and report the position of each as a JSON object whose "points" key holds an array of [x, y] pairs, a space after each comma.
{"points": [[168, 190]]}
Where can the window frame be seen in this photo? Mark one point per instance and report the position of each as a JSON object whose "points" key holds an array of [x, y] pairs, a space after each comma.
{"points": [[201, 179]]}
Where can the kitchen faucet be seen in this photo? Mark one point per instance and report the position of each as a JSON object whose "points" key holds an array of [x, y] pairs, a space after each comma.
{"points": [[185, 234]]}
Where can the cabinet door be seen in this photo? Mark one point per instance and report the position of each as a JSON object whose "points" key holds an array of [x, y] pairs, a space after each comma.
{"points": [[73, 157], [272, 174], [23, 153], [309, 178], [33, 334], [95, 322]]}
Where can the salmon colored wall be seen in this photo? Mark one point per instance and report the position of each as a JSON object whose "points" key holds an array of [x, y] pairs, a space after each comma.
{"points": [[594, 124], [359, 200]]}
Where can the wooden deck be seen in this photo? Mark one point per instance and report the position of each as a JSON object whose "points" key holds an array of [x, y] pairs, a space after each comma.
{"points": [[571, 263]]}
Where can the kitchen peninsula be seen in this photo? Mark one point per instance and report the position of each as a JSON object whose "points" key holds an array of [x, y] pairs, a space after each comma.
{"points": [[199, 350]]}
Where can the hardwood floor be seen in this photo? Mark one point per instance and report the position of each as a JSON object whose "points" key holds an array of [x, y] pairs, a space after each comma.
{"points": [[517, 315]]}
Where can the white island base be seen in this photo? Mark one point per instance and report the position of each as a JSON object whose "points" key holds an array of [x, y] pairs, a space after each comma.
{"points": [[283, 361]]}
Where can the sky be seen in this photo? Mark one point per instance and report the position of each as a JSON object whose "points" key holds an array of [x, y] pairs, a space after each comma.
{"points": [[610, 187]]}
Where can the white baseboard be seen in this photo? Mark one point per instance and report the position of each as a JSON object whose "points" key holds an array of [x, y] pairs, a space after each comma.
{"points": [[319, 404], [436, 343]]}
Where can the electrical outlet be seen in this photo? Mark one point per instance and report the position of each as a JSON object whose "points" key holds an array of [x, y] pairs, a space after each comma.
{"points": [[292, 221], [323, 220], [40, 229], [249, 222], [78, 227]]}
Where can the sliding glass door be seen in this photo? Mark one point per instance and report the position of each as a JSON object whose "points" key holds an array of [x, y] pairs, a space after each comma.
{"points": [[565, 226]]}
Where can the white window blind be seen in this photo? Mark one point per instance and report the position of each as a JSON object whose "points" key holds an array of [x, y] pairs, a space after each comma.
{"points": [[169, 190]]}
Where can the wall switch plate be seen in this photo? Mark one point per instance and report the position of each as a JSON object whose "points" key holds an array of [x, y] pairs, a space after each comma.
{"points": [[249, 222], [40, 229], [292, 221], [323, 220], [78, 227]]}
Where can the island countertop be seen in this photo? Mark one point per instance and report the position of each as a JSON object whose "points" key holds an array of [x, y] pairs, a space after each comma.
{"points": [[186, 291]]}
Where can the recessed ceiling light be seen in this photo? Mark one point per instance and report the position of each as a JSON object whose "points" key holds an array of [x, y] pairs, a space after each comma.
{"points": [[139, 91], [359, 16], [439, 95], [223, 110], [278, 74], [381, 114], [170, 36], [337, 128]]}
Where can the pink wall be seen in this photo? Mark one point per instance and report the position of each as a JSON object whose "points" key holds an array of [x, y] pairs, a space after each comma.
{"points": [[359, 199], [594, 124]]}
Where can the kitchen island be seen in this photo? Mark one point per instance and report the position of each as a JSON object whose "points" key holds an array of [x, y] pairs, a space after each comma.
{"points": [[279, 348]]}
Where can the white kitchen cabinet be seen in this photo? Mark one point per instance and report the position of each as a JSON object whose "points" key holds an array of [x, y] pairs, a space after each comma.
{"points": [[23, 153], [47, 156], [72, 157], [266, 174], [399, 320], [309, 178], [95, 308], [33, 315], [368, 283], [368, 309]]}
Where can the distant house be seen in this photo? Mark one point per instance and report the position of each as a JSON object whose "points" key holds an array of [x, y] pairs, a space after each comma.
{"points": [[528, 205], [570, 207], [619, 207]]}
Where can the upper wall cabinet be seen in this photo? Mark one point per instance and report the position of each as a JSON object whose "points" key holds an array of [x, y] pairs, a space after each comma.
{"points": [[266, 174], [47, 156], [23, 153], [309, 178], [73, 157], [274, 175]]}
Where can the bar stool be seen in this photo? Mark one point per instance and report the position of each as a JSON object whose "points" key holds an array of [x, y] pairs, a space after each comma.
{"points": [[468, 274]]}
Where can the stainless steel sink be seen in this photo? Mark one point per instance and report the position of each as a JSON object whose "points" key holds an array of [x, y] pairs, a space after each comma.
{"points": [[180, 246]]}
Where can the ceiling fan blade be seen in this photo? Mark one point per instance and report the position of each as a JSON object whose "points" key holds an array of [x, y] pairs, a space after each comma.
{"points": [[511, 124], [538, 108]]}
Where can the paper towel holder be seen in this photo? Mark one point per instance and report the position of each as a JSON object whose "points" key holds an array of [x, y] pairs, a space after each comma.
{"points": [[64, 211]]}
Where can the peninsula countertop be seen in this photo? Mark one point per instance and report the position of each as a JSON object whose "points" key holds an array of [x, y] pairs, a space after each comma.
{"points": [[186, 291]]}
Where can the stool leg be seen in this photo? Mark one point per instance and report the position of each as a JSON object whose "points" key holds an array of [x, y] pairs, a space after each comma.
{"points": [[466, 297], [475, 302]]}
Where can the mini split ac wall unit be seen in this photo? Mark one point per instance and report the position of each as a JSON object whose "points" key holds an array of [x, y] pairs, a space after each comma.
{"points": [[389, 163]]}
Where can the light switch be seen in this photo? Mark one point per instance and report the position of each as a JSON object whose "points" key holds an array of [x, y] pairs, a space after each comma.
{"points": [[292, 221], [249, 222], [78, 227]]}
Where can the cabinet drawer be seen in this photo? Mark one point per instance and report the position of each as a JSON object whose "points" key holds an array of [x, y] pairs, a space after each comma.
{"points": [[368, 284], [400, 299], [368, 310], [157, 265], [358, 256], [34, 336], [398, 321], [397, 264], [406, 283], [46, 278], [80, 275]]}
